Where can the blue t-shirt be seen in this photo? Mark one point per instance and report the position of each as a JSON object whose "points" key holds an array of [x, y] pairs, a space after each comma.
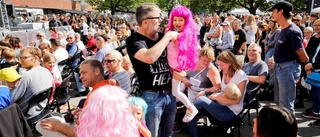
{"points": [[290, 39], [5, 97], [72, 51]]}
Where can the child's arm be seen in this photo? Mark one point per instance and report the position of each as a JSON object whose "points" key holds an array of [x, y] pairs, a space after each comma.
{"points": [[144, 131], [224, 100]]}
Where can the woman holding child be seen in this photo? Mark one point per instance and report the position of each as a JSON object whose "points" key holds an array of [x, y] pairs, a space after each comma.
{"points": [[212, 104]]}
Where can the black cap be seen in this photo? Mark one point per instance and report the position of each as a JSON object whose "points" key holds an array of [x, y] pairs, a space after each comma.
{"points": [[314, 15], [282, 5]]}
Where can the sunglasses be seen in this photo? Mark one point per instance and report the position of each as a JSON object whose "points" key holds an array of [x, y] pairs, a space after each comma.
{"points": [[69, 38], [39, 36], [109, 60], [295, 20], [153, 18]]}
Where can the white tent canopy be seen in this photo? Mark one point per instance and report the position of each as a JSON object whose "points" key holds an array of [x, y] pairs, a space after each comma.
{"points": [[243, 11], [316, 10]]}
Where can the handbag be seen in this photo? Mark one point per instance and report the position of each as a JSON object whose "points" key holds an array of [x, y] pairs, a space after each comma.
{"points": [[313, 79]]}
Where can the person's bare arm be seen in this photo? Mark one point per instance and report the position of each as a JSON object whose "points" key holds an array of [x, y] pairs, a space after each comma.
{"points": [[242, 47], [151, 55], [224, 100], [218, 33], [302, 55], [144, 131], [56, 125], [261, 79], [214, 76]]}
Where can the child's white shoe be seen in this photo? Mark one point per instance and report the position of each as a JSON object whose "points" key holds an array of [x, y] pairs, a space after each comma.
{"points": [[190, 114]]}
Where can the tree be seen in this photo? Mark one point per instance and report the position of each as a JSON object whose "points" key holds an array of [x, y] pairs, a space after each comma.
{"points": [[168, 5], [114, 5], [297, 4], [217, 6], [251, 5]]}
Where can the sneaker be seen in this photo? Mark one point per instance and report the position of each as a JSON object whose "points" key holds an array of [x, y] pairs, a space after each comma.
{"points": [[311, 115], [315, 123], [178, 126], [190, 114]]}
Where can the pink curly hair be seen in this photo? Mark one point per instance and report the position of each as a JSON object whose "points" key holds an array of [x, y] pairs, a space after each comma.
{"points": [[187, 40], [108, 114]]}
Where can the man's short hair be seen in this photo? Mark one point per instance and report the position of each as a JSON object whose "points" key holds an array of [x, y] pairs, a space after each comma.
{"points": [[116, 55], [94, 64], [143, 10], [255, 45], [33, 51], [55, 42]]}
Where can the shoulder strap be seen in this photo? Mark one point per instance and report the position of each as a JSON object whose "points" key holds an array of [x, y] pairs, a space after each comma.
{"points": [[199, 72]]}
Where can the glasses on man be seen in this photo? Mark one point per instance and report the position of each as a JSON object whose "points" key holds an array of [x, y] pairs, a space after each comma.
{"points": [[108, 60], [25, 57], [295, 20], [39, 36], [69, 38], [154, 17]]}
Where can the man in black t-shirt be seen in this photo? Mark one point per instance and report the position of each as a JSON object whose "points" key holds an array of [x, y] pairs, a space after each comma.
{"points": [[146, 49], [287, 54], [240, 41]]}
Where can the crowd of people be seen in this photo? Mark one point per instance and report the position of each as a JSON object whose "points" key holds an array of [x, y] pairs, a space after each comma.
{"points": [[220, 61]]}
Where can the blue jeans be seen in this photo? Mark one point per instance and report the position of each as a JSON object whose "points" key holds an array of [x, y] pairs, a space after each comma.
{"points": [[212, 108], [80, 86], [161, 112], [286, 77], [269, 54], [316, 99]]}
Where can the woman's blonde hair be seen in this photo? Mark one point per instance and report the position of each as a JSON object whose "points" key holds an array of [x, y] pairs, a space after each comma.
{"points": [[207, 52], [228, 57]]}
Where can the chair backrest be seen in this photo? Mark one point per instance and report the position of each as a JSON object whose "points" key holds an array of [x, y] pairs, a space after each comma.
{"points": [[41, 96], [64, 85]]}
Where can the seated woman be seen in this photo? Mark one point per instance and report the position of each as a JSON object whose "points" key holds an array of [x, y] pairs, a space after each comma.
{"points": [[211, 105], [275, 121], [205, 77]]}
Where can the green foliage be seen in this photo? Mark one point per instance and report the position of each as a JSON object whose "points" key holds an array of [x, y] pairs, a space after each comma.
{"points": [[211, 6], [113, 5]]}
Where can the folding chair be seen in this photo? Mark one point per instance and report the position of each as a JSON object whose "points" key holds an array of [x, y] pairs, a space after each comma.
{"points": [[236, 123], [61, 96], [251, 102], [36, 99]]}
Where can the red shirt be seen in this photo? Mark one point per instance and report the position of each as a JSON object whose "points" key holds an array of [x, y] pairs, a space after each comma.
{"points": [[92, 44]]}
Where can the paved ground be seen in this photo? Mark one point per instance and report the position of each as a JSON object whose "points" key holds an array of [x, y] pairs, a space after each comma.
{"points": [[246, 130]]}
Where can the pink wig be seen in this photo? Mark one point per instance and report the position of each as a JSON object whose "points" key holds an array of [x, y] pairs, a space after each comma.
{"points": [[108, 114], [187, 40]]}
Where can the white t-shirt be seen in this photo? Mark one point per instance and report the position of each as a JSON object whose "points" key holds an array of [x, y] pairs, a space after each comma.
{"points": [[60, 54], [63, 42], [238, 77], [44, 41], [251, 34]]}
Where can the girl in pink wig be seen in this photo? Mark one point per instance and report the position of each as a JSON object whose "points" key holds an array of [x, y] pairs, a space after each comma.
{"points": [[183, 53], [108, 114]]}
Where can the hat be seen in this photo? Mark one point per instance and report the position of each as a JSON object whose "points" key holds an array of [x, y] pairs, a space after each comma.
{"points": [[282, 5], [9, 74], [225, 23], [314, 15]]}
